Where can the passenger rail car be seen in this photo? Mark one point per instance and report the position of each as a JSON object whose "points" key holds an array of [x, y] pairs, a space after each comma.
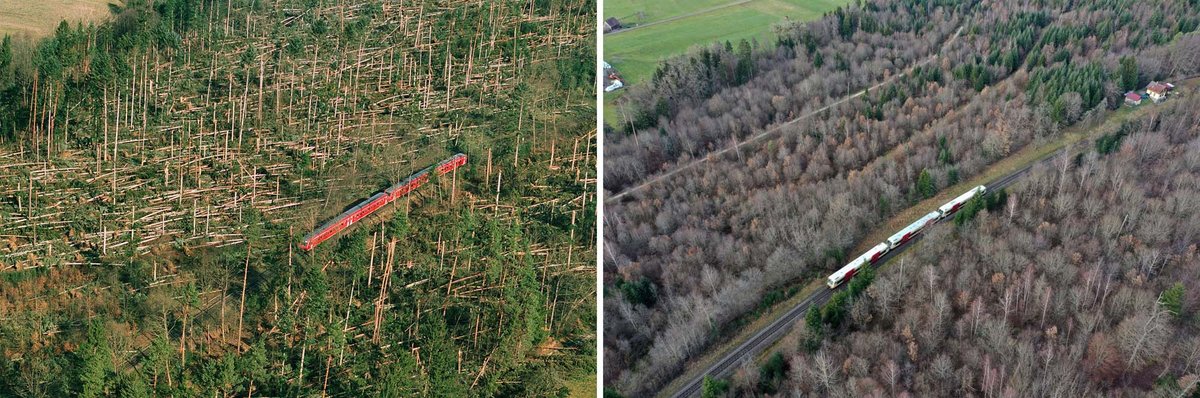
{"points": [[377, 201], [901, 237]]}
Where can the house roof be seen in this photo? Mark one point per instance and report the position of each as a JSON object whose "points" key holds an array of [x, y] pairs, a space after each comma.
{"points": [[612, 21], [1156, 88], [1132, 96]]}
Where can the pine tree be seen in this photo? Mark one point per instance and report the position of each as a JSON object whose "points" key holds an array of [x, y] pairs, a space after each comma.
{"points": [[441, 359], [713, 388], [1172, 299], [815, 328], [926, 188], [403, 378], [1128, 73], [95, 364]]}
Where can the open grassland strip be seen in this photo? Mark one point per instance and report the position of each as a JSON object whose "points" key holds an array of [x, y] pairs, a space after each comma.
{"points": [[678, 17], [40, 18], [637, 52], [582, 387], [612, 116], [636, 13]]}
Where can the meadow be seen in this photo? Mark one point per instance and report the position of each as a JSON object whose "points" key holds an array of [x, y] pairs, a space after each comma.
{"points": [[664, 29], [39, 18], [670, 29]]}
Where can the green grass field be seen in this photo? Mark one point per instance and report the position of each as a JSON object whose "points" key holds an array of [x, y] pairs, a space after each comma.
{"points": [[656, 10], [38, 18], [672, 27], [583, 387]]}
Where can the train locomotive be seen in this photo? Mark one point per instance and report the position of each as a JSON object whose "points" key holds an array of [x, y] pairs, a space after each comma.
{"points": [[901, 237], [377, 201]]}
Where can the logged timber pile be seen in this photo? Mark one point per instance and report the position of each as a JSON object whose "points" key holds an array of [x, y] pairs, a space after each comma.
{"points": [[376, 202], [901, 237]]}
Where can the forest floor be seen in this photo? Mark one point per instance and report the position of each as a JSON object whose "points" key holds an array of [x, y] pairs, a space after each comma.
{"points": [[670, 28], [1028, 155], [609, 111], [582, 387], [39, 18]]}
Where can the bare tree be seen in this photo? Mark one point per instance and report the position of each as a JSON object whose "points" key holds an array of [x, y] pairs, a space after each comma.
{"points": [[1143, 337], [823, 370]]}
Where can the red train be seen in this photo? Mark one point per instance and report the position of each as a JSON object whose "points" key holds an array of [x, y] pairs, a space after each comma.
{"points": [[377, 201]]}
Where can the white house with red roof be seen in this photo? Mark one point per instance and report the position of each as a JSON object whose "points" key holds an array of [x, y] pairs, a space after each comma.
{"points": [[1157, 91]]}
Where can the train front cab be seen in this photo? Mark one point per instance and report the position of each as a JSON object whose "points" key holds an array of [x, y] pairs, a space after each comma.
{"points": [[833, 281]]}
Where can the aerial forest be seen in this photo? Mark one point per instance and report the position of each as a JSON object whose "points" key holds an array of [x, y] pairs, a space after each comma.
{"points": [[744, 171], [159, 170], [1082, 282]]}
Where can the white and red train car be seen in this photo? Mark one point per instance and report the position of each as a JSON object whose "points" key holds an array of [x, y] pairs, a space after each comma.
{"points": [[901, 237], [911, 230], [848, 271], [954, 204], [377, 201]]}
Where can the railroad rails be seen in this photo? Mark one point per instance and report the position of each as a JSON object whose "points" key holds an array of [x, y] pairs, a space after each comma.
{"points": [[377, 201]]}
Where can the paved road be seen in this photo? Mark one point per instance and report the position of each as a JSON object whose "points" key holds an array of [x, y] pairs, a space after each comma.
{"points": [[777, 128], [773, 332]]}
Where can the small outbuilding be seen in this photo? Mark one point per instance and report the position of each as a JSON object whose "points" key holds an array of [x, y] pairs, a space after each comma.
{"points": [[611, 24], [1133, 99]]}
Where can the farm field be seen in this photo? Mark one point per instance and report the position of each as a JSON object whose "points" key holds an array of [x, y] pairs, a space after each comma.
{"points": [[642, 12], [39, 18], [637, 52]]}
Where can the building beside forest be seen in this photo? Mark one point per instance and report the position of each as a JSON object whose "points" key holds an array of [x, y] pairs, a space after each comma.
{"points": [[1133, 98], [611, 24], [1157, 91]]}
